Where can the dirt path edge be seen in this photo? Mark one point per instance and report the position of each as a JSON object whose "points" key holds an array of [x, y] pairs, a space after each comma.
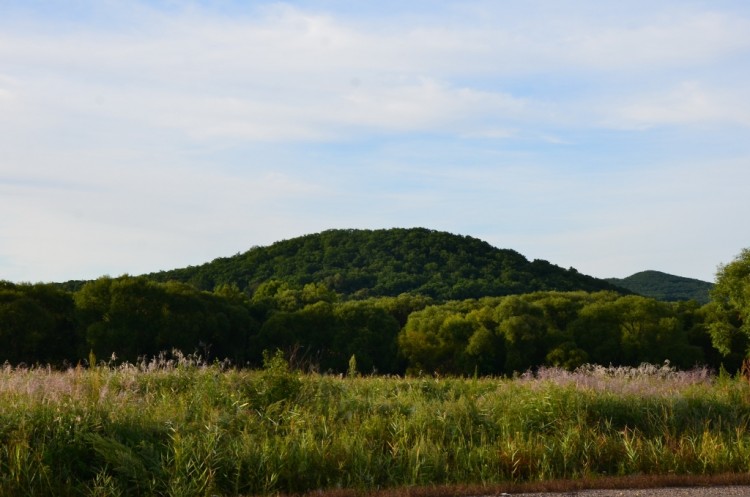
{"points": [[601, 486]]}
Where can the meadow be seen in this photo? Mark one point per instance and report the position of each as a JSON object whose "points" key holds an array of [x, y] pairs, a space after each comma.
{"points": [[179, 427]]}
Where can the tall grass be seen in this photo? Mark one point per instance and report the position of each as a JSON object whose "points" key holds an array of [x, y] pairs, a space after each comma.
{"points": [[180, 427]]}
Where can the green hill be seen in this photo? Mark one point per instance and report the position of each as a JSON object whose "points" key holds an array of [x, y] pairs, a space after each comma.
{"points": [[666, 287], [363, 263]]}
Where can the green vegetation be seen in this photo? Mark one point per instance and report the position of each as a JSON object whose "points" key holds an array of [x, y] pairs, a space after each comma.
{"points": [[504, 335], [729, 311], [133, 317], [362, 263], [37, 324], [499, 388], [667, 287], [313, 311], [180, 427]]}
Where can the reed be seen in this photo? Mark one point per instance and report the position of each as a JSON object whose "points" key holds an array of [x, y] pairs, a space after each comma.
{"points": [[181, 427]]}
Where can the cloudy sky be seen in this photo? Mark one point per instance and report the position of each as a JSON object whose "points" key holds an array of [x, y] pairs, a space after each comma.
{"points": [[136, 136]]}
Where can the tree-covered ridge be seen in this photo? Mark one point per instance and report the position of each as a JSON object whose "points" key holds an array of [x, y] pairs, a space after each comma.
{"points": [[666, 287], [316, 325], [388, 262]]}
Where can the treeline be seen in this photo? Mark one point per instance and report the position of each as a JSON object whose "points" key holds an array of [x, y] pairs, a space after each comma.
{"points": [[388, 262], [667, 287], [510, 334], [318, 328]]}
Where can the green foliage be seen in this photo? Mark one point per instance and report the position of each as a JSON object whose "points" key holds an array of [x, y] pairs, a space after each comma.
{"points": [[134, 316], [37, 324], [665, 287], [352, 369], [309, 298], [730, 307], [434, 339], [320, 319], [361, 263], [507, 335], [277, 383], [130, 317], [185, 428]]}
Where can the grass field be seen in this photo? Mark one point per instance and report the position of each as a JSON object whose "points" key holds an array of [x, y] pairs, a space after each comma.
{"points": [[182, 428]]}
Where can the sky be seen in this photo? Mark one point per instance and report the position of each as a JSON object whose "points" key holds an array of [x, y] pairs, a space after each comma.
{"points": [[137, 136]]}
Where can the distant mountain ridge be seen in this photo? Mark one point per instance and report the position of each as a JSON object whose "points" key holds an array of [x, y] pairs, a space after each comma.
{"points": [[666, 287], [388, 262]]}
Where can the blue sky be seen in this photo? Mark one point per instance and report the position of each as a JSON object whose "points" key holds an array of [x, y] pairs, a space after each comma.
{"points": [[135, 136]]}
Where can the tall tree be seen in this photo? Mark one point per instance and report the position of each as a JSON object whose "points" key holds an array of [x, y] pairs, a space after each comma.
{"points": [[37, 324], [729, 310]]}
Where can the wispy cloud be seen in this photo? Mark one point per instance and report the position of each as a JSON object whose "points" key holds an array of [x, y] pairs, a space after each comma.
{"points": [[145, 135], [686, 104], [286, 73]]}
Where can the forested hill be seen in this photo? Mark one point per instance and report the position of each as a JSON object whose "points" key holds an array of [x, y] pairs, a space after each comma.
{"points": [[666, 287], [388, 262]]}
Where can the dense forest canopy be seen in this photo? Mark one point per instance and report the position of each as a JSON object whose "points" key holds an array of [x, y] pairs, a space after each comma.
{"points": [[133, 317], [388, 262], [729, 309], [389, 301], [667, 287]]}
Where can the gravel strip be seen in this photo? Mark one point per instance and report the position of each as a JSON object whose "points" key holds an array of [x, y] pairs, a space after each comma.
{"points": [[723, 491]]}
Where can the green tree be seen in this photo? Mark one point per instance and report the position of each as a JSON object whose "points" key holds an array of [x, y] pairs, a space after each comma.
{"points": [[729, 310], [567, 355], [435, 340], [525, 330], [369, 332], [122, 316], [24, 325], [133, 316], [596, 330], [486, 349], [37, 324]]}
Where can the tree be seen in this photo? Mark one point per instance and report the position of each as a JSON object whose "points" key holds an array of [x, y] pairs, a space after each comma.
{"points": [[133, 316], [24, 325], [486, 349], [596, 330], [121, 315], [37, 324], [369, 332], [729, 310], [435, 340], [523, 326]]}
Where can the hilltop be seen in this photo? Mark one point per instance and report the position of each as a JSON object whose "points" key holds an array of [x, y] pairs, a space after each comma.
{"points": [[388, 262], [666, 287], [392, 301]]}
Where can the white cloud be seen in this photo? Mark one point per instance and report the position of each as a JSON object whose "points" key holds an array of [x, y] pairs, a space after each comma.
{"points": [[294, 74], [688, 103], [8, 94], [493, 133], [673, 40], [165, 138], [5, 95]]}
